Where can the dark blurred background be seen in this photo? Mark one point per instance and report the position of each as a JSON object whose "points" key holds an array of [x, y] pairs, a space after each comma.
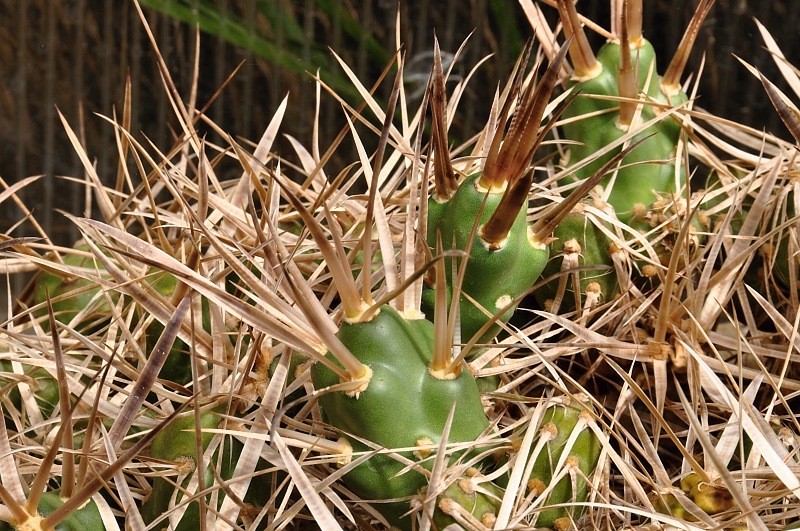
{"points": [[73, 56]]}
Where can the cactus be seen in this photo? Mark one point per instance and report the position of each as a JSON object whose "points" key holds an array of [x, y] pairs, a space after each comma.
{"points": [[595, 122], [73, 505], [484, 215], [667, 503], [401, 392], [384, 370], [86, 518], [564, 429], [177, 444], [73, 294], [471, 500], [711, 497], [583, 245], [362, 403]]}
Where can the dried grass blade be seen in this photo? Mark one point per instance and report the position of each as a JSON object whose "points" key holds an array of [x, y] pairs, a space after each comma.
{"points": [[753, 520], [322, 516], [99, 481], [293, 337], [374, 105], [610, 346], [149, 374], [67, 440], [754, 425], [739, 256], [11, 491], [787, 112], [105, 205], [789, 72]]}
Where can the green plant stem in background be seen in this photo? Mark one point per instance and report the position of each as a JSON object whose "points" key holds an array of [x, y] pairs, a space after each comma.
{"points": [[260, 38]]}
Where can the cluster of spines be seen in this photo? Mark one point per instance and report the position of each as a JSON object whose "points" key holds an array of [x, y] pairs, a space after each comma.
{"points": [[347, 373]]}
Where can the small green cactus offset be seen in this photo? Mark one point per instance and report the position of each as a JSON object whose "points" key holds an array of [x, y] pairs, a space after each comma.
{"points": [[177, 444], [711, 497], [484, 215], [570, 452], [472, 499], [86, 518], [584, 262]]}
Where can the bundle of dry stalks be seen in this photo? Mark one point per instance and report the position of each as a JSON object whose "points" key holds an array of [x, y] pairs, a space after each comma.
{"points": [[161, 368]]}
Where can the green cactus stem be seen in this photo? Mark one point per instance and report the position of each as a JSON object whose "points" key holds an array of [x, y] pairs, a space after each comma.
{"points": [[582, 244], [484, 215], [597, 119], [564, 422], [495, 273], [177, 444], [403, 406], [387, 382], [71, 295], [471, 500]]}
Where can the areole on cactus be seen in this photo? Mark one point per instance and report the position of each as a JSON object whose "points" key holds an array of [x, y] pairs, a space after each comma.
{"points": [[568, 452], [584, 249]]}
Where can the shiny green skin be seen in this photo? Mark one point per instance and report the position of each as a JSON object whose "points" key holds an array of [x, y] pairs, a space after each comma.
{"points": [[595, 251], [638, 184], [402, 404], [586, 448], [478, 504], [490, 274], [178, 441], [158, 502], [87, 518], [603, 84], [178, 438], [642, 59]]}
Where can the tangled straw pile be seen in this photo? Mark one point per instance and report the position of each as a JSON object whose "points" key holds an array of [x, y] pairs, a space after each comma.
{"points": [[584, 317]]}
